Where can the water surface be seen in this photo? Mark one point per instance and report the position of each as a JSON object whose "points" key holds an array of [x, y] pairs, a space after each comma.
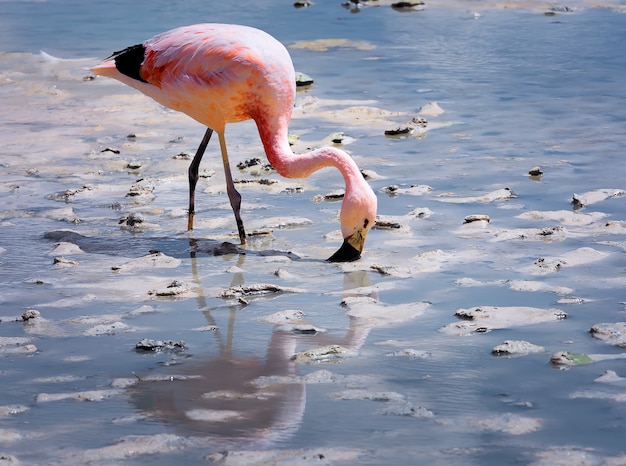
{"points": [[518, 88]]}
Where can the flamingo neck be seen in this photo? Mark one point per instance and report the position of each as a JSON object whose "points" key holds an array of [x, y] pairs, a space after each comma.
{"points": [[291, 165], [358, 207]]}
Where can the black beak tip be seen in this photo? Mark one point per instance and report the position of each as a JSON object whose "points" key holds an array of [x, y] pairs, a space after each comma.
{"points": [[346, 253]]}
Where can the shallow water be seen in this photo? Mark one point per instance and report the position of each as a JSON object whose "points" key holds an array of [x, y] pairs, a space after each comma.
{"points": [[518, 88]]}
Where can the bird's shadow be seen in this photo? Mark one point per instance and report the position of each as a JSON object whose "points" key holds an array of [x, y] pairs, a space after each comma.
{"points": [[172, 246]]}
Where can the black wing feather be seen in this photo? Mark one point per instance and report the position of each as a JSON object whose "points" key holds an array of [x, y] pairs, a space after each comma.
{"points": [[129, 60]]}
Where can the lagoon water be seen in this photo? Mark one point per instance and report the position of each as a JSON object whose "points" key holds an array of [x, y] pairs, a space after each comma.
{"points": [[412, 383]]}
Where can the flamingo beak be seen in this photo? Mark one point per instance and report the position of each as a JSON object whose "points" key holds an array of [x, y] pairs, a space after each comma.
{"points": [[351, 248]]}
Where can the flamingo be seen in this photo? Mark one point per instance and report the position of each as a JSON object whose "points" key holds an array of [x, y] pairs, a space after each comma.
{"points": [[224, 73]]}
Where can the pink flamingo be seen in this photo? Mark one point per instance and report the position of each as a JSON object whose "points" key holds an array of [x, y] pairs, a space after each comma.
{"points": [[219, 74]]}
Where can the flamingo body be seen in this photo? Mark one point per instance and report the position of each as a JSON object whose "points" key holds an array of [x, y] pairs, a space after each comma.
{"points": [[220, 74]]}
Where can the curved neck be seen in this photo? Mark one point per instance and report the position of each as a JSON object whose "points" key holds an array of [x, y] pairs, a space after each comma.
{"points": [[358, 207], [291, 165]]}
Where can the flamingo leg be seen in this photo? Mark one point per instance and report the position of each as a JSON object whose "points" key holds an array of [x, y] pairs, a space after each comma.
{"points": [[193, 176], [233, 194]]}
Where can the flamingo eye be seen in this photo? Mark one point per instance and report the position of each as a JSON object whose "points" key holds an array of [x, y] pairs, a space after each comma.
{"points": [[366, 223]]}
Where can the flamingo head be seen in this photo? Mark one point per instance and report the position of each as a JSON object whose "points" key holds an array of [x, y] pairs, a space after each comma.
{"points": [[357, 217]]}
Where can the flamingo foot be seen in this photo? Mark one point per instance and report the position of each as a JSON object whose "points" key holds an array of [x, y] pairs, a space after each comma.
{"points": [[190, 221], [242, 233]]}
